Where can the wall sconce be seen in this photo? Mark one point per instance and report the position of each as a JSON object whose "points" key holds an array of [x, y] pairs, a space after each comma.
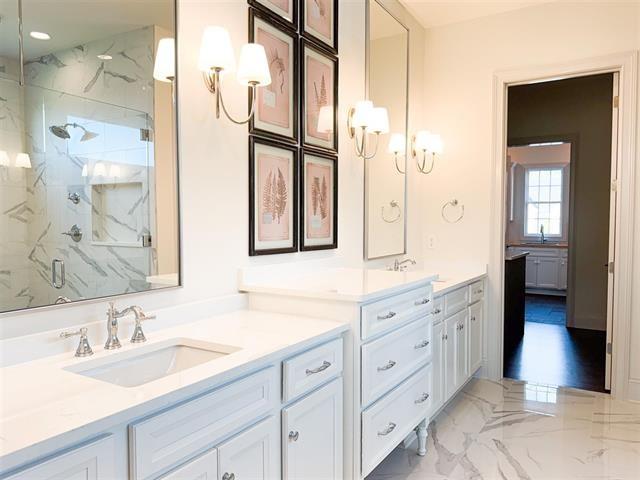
{"points": [[23, 160], [397, 146], [216, 58], [367, 119], [4, 159], [164, 69], [427, 143]]}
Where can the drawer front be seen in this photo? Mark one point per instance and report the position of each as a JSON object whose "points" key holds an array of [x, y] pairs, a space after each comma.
{"points": [[388, 421], [390, 359], [381, 316], [456, 301], [204, 467], [476, 291], [438, 309], [303, 373], [166, 439]]}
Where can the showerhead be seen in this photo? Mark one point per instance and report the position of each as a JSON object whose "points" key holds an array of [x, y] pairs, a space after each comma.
{"points": [[61, 131], [87, 135]]}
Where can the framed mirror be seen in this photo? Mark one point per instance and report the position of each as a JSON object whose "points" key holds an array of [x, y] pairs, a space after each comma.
{"points": [[385, 174], [88, 163]]}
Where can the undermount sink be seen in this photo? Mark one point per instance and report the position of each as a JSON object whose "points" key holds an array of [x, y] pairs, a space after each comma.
{"points": [[146, 364]]}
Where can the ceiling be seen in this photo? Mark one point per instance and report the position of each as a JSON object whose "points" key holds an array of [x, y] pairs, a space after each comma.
{"points": [[75, 22], [432, 13]]}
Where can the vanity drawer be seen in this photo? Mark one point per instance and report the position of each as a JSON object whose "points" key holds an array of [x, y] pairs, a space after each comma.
{"points": [[383, 315], [476, 291], [456, 301], [168, 438], [386, 423], [390, 359], [438, 309], [303, 373]]}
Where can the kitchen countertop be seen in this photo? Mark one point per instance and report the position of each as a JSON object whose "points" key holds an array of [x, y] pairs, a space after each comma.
{"points": [[538, 245], [42, 404], [516, 256]]}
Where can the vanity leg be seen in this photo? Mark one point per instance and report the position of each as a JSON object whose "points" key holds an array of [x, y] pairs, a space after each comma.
{"points": [[421, 431]]}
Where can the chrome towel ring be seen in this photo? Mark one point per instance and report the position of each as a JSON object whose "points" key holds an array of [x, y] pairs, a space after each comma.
{"points": [[453, 204], [394, 206]]}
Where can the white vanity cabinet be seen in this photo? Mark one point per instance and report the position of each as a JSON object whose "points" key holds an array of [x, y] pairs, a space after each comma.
{"points": [[204, 467]]}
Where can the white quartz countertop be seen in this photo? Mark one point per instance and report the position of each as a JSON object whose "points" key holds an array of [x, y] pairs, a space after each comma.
{"points": [[41, 402], [447, 283], [346, 284]]}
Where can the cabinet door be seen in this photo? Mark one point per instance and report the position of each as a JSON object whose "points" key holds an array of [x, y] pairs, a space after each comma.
{"points": [[562, 274], [204, 467], [531, 274], [450, 356], [253, 454], [475, 336], [312, 435], [548, 272], [93, 461], [438, 363], [462, 350]]}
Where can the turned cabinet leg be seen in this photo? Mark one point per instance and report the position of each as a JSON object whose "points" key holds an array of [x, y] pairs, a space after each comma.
{"points": [[421, 431]]}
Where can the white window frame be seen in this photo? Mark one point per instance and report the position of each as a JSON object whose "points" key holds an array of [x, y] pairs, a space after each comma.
{"points": [[539, 168]]}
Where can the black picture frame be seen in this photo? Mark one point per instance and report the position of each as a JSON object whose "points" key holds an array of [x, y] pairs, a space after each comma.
{"points": [[331, 47], [333, 147], [254, 249], [263, 6], [258, 15], [304, 247]]}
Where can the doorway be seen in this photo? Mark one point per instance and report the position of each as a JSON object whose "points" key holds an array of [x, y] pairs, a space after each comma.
{"points": [[559, 231]]}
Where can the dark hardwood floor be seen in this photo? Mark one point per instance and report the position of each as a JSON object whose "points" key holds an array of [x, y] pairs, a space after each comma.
{"points": [[553, 354]]}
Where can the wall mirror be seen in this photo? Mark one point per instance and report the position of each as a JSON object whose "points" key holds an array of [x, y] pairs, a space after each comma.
{"points": [[385, 174], [88, 163]]}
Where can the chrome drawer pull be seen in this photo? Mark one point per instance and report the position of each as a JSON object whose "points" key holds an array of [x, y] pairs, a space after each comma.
{"points": [[293, 436], [319, 369], [424, 301], [423, 398], [229, 476], [422, 344], [387, 316], [390, 428], [389, 365], [437, 311]]}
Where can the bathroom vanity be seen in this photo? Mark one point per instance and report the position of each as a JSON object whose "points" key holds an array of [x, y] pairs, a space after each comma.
{"points": [[408, 351], [269, 405]]}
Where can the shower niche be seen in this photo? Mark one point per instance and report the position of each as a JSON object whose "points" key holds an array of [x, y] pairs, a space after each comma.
{"points": [[116, 215]]}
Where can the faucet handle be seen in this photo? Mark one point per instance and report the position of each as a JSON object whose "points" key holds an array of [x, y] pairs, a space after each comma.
{"points": [[138, 334], [84, 349]]}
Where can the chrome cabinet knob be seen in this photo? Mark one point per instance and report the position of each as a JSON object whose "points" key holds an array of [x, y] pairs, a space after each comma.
{"points": [[228, 476], [293, 436], [390, 364]]}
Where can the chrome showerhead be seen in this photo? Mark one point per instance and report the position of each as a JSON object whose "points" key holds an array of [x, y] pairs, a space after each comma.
{"points": [[87, 135], [60, 131]]}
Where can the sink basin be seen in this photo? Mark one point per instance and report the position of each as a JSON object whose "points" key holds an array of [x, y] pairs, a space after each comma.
{"points": [[146, 364]]}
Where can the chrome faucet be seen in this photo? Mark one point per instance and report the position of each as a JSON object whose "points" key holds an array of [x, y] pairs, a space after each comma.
{"points": [[542, 239], [112, 325], [401, 266]]}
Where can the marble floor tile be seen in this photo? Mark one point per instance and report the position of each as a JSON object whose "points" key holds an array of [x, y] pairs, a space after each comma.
{"points": [[513, 430]]}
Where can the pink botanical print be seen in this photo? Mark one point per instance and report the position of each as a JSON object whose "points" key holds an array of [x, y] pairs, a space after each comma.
{"points": [[319, 93], [281, 4], [319, 16], [273, 182], [274, 100], [319, 200]]}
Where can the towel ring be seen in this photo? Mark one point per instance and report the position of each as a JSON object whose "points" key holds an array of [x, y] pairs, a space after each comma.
{"points": [[452, 203], [394, 205]]}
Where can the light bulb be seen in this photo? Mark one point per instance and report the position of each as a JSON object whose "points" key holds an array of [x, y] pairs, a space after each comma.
{"points": [[216, 50], [397, 144], [253, 66], [23, 160]]}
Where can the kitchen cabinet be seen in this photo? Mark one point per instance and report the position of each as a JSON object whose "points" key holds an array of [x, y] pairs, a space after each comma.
{"points": [[531, 275], [548, 268], [312, 435], [562, 274]]}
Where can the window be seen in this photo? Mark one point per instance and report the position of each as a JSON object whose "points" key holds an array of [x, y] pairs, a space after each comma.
{"points": [[543, 201]]}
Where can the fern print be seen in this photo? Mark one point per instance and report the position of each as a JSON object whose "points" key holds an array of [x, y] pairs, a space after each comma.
{"points": [[268, 194], [280, 198], [324, 203]]}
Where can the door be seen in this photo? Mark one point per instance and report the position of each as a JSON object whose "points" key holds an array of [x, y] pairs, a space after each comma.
{"points": [[613, 202], [531, 274], [462, 349], [204, 467], [475, 336], [548, 272], [253, 454], [438, 366], [449, 371], [312, 435]]}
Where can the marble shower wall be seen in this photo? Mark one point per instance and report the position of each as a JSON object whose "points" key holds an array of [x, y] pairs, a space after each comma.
{"points": [[113, 100]]}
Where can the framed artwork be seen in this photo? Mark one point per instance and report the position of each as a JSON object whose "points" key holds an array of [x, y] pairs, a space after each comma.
{"points": [[320, 22], [319, 83], [273, 197], [276, 113], [284, 10], [319, 201]]}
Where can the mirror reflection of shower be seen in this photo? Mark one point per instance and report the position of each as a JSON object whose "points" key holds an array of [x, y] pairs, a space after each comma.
{"points": [[62, 131]]}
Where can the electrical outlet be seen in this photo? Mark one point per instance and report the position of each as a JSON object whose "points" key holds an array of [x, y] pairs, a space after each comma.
{"points": [[431, 242]]}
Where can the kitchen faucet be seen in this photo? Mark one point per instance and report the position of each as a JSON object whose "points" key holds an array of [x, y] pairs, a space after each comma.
{"points": [[112, 325]]}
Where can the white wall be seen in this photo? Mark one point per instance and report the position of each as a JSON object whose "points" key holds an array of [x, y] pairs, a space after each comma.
{"points": [[461, 60]]}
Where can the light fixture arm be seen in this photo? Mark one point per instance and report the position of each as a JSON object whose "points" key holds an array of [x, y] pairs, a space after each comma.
{"points": [[212, 80], [422, 164], [395, 157]]}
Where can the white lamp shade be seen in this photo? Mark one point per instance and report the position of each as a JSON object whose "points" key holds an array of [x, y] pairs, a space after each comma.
{"points": [[164, 69], [85, 170], [4, 159], [379, 120], [114, 171], [422, 140], [216, 50], [253, 65], [397, 144], [23, 160], [325, 119], [99, 170], [362, 114], [434, 144]]}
